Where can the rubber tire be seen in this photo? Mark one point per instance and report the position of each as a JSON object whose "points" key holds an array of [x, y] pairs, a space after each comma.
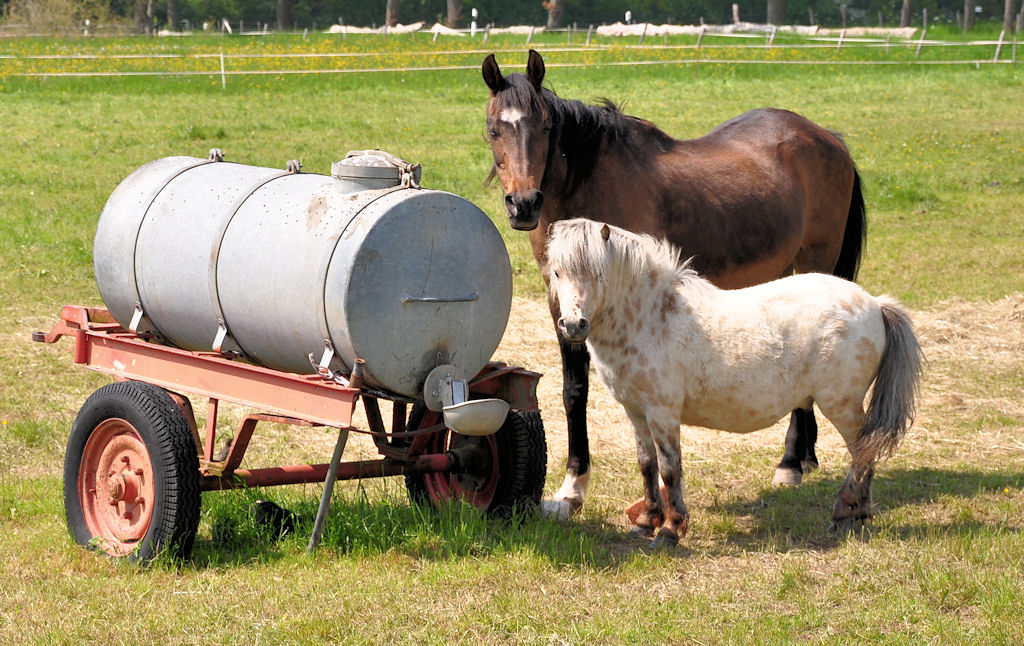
{"points": [[522, 466], [167, 437]]}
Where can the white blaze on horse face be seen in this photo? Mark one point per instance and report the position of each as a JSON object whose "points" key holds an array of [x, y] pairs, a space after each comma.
{"points": [[512, 115]]}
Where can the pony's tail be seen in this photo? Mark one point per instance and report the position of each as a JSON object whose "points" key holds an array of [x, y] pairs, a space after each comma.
{"points": [[855, 235], [897, 386]]}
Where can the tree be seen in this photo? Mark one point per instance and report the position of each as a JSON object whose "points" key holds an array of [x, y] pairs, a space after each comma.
{"points": [[777, 12], [968, 14], [172, 15], [905, 14], [391, 13], [284, 14], [454, 13], [1008, 16], [555, 10]]}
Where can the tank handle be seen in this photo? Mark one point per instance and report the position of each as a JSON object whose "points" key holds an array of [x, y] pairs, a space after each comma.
{"points": [[409, 298]]}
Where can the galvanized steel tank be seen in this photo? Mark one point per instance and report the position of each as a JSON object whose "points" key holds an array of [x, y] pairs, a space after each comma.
{"points": [[278, 265]]}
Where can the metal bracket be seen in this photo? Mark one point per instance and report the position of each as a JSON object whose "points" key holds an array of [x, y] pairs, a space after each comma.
{"points": [[133, 327], [222, 333]]}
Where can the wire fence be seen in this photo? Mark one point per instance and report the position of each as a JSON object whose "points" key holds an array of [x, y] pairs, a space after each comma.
{"points": [[708, 48]]}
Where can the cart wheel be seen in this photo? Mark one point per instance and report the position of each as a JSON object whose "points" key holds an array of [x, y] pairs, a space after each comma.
{"points": [[508, 469], [131, 474]]}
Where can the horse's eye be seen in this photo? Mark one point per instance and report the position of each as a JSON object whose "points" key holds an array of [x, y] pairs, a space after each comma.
{"points": [[555, 274], [493, 134]]}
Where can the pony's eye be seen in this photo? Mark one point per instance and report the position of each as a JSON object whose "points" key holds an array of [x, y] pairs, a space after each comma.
{"points": [[493, 134], [555, 274]]}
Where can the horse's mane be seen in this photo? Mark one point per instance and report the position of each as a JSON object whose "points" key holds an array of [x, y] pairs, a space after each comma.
{"points": [[578, 247], [579, 128]]}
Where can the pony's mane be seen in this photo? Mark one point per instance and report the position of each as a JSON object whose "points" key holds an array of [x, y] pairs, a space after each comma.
{"points": [[579, 129], [579, 249]]}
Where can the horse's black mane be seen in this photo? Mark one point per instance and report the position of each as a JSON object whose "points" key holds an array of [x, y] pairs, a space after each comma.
{"points": [[579, 128]]}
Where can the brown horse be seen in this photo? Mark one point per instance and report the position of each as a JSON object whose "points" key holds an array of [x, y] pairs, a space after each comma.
{"points": [[759, 197]]}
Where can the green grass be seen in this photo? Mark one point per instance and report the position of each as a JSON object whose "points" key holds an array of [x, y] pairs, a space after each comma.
{"points": [[941, 151]]}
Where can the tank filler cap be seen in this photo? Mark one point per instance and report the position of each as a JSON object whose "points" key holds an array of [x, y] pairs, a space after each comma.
{"points": [[375, 169]]}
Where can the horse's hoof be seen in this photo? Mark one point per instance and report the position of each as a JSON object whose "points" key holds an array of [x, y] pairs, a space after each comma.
{"points": [[641, 532], [556, 509], [787, 477], [850, 526]]}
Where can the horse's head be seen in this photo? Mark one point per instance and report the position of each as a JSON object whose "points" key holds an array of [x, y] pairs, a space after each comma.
{"points": [[518, 129], [576, 268]]}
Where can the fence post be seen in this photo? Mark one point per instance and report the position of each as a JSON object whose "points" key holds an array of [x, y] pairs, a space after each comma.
{"points": [[223, 77], [842, 34], [529, 37], [644, 33], [700, 36], [999, 46], [590, 31], [920, 43]]}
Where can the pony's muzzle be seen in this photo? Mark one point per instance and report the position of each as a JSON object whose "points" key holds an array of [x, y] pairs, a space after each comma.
{"points": [[524, 209], [574, 330]]}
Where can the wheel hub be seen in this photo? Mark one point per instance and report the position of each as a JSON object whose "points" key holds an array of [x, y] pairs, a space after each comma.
{"points": [[116, 486]]}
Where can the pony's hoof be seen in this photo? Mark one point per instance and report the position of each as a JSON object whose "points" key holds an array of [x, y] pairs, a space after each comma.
{"points": [[663, 541], [787, 477], [556, 509], [641, 532]]}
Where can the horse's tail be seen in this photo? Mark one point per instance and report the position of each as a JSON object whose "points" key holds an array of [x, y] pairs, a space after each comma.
{"points": [[897, 386], [855, 235]]}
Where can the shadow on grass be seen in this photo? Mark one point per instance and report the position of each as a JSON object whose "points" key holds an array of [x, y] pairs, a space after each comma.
{"points": [[771, 520], [799, 518]]}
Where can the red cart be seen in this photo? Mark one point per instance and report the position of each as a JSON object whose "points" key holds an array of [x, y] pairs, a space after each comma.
{"points": [[137, 462]]}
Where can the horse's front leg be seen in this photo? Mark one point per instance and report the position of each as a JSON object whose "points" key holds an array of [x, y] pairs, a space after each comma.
{"points": [[575, 389], [677, 517]]}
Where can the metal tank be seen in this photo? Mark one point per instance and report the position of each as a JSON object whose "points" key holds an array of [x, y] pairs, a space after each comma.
{"points": [[280, 266]]}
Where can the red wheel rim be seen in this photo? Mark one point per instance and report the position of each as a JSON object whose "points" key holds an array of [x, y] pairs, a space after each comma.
{"points": [[477, 490], [115, 486]]}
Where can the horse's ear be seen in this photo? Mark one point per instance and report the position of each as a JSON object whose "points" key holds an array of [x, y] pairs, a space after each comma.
{"points": [[535, 69], [551, 229], [492, 74], [605, 233]]}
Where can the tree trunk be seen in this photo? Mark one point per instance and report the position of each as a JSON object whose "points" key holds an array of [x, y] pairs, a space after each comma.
{"points": [[555, 9], [968, 14], [776, 12], [454, 18], [172, 15], [391, 13], [905, 14], [144, 16], [1008, 17], [284, 14]]}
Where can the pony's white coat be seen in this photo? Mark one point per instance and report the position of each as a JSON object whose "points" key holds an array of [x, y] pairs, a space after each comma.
{"points": [[673, 349]]}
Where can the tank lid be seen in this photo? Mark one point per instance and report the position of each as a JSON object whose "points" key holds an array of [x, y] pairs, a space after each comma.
{"points": [[376, 164]]}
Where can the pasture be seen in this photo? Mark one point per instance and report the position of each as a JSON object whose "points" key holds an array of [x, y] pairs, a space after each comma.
{"points": [[941, 152]]}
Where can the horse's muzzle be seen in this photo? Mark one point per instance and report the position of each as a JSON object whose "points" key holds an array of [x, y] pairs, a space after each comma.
{"points": [[524, 209], [574, 330]]}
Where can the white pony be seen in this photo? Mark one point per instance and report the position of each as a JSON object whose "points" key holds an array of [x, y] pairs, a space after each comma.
{"points": [[674, 349]]}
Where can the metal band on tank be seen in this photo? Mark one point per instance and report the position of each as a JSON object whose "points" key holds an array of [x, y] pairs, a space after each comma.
{"points": [[134, 282], [222, 328]]}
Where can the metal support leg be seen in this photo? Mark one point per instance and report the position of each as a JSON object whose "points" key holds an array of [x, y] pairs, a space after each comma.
{"points": [[325, 499]]}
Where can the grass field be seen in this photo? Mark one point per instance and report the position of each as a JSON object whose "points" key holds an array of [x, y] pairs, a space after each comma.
{"points": [[941, 151]]}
